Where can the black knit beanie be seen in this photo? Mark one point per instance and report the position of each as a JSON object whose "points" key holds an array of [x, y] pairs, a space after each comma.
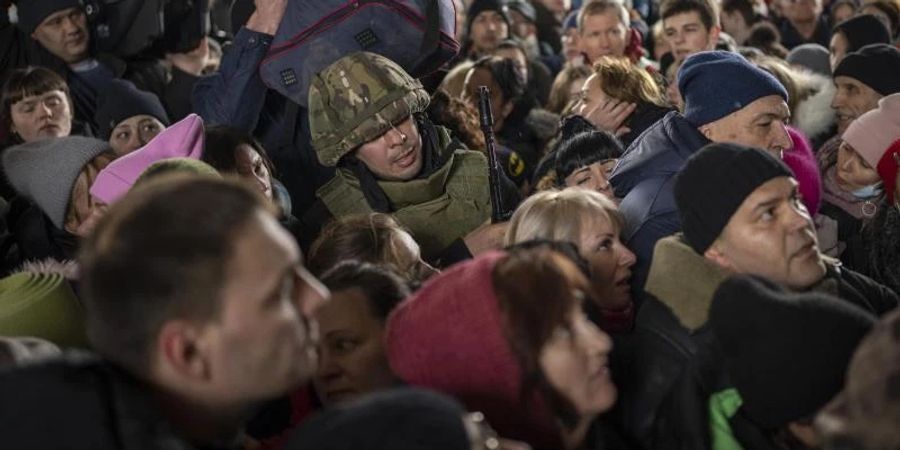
{"points": [[863, 30], [119, 101], [877, 66], [785, 353], [32, 12], [398, 419], [479, 6], [713, 184]]}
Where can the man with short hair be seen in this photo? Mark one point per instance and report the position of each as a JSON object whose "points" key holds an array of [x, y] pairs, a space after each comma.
{"points": [[727, 99], [737, 17], [690, 26], [604, 29], [199, 305], [741, 214], [854, 34], [803, 23]]}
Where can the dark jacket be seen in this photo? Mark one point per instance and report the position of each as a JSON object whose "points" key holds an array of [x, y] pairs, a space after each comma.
{"points": [[643, 117], [644, 179], [33, 237], [671, 364], [883, 247], [791, 38], [80, 402], [236, 96]]}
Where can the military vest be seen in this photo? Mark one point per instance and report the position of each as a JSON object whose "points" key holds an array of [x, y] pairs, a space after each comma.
{"points": [[437, 209]]}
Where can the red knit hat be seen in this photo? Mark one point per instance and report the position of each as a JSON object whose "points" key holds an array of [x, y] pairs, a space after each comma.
{"points": [[449, 336]]}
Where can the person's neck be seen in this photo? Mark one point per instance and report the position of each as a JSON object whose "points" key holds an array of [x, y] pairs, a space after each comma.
{"points": [[574, 438], [202, 421], [806, 28]]}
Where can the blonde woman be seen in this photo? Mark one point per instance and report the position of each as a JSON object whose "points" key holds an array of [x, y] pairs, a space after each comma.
{"points": [[590, 221]]}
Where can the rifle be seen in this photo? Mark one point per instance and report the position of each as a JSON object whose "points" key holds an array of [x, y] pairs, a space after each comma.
{"points": [[498, 212]]}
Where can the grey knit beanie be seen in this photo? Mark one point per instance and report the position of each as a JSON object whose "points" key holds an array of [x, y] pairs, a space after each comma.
{"points": [[44, 171]]}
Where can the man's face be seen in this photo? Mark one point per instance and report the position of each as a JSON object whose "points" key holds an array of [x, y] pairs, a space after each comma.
{"points": [[603, 35], [837, 49], [42, 116], [65, 35], [760, 124], [771, 235], [522, 28], [687, 35], [487, 30], [263, 343], [571, 45], [801, 10], [396, 155], [851, 100]]}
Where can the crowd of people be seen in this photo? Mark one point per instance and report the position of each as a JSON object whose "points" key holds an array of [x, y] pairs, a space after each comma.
{"points": [[679, 229]]}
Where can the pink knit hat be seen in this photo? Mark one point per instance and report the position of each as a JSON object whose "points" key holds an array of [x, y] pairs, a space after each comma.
{"points": [[873, 132], [182, 140], [802, 162], [449, 336]]}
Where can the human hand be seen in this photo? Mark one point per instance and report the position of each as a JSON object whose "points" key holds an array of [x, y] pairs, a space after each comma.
{"points": [[488, 236], [610, 114], [192, 62], [267, 16]]}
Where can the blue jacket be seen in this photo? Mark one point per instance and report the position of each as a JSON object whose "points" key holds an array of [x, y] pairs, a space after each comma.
{"points": [[644, 179], [236, 96]]}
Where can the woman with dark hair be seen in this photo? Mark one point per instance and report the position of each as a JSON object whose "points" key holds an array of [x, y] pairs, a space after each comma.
{"points": [[374, 238], [587, 160], [35, 105], [506, 334], [519, 123], [232, 151], [352, 362]]}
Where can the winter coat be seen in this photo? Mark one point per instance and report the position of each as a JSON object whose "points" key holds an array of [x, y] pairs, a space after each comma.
{"points": [[849, 213], [791, 38], [644, 180], [671, 364], [882, 240], [33, 237], [236, 96], [80, 402]]}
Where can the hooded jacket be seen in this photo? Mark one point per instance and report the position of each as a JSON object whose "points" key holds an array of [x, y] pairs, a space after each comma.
{"points": [[644, 180]]}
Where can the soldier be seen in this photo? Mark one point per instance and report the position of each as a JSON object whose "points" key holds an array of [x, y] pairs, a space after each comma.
{"points": [[366, 118]]}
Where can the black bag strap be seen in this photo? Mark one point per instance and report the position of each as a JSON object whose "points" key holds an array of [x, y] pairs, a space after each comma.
{"points": [[432, 37]]}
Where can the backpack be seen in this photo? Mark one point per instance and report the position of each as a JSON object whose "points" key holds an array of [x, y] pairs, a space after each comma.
{"points": [[416, 34]]}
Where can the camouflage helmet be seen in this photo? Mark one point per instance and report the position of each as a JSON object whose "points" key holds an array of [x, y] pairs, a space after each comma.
{"points": [[357, 99]]}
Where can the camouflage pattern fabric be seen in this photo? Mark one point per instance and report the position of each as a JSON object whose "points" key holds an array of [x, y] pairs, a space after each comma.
{"points": [[356, 99]]}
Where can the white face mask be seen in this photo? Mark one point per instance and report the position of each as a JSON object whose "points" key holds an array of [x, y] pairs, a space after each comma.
{"points": [[867, 192]]}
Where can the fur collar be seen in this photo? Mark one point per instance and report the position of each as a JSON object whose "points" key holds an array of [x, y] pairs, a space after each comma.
{"points": [[684, 281], [814, 115]]}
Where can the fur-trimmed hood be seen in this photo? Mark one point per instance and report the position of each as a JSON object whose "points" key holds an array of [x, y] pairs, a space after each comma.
{"points": [[814, 115]]}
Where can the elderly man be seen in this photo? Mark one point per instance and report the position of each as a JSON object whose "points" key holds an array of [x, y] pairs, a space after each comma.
{"points": [[741, 214], [200, 308], [727, 99]]}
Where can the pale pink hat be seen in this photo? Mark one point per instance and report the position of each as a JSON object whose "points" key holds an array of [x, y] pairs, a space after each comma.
{"points": [[184, 139], [873, 132]]}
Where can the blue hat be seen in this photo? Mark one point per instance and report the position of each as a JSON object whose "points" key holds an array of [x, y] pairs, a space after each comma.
{"points": [[717, 83]]}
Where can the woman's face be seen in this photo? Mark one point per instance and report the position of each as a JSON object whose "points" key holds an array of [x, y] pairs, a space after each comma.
{"points": [[408, 257], [251, 167], [575, 362], [42, 116], [134, 133], [352, 361], [594, 177], [852, 171], [610, 262]]}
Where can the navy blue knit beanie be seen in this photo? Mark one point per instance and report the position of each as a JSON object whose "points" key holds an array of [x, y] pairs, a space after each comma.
{"points": [[715, 84], [32, 12], [119, 101], [714, 183]]}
